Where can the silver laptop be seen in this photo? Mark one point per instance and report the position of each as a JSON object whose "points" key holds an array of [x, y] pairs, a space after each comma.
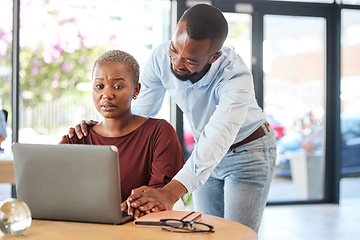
{"points": [[69, 182]]}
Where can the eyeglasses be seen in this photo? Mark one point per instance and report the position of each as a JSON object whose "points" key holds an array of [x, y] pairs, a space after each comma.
{"points": [[185, 226]]}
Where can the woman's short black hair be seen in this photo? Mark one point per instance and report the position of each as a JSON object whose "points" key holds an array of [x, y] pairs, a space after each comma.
{"points": [[121, 57], [204, 21]]}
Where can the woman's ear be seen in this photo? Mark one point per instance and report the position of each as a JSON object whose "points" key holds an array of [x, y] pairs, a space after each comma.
{"points": [[137, 89], [215, 57]]}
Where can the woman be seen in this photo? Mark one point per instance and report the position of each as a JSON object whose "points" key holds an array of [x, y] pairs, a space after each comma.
{"points": [[149, 150]]}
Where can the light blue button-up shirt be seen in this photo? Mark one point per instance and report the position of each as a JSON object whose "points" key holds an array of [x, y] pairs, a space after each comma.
{"points": [[2, 125], [221, 108]]}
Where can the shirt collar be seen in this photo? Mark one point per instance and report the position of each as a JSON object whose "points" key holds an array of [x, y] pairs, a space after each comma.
{"points": [[208, 77]]}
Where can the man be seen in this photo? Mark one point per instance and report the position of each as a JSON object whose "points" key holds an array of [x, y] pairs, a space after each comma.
{"points": [[232, 163], [3, 133]]}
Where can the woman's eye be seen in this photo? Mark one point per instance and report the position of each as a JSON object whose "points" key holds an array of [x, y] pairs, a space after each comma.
{"points": [[99, 86]]}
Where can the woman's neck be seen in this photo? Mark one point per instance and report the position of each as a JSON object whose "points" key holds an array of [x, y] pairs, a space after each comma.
{"points": [[115, 127]]}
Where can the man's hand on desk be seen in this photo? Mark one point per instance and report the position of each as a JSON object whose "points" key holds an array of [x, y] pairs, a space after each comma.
{"points": [[145, 199]]}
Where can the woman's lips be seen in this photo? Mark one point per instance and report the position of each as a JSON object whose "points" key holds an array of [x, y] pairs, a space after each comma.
{"points": [[108, 106]]}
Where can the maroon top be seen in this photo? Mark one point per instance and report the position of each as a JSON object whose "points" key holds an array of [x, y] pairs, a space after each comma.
{"points": [[150, 155]]}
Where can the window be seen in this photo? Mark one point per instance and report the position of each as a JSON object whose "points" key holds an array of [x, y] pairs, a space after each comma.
{"points": [[312, 1], [58, 48], [5, 64], [354, 2]]}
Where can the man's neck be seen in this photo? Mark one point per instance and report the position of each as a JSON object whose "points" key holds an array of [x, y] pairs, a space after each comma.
{"points": [[200, 75]]}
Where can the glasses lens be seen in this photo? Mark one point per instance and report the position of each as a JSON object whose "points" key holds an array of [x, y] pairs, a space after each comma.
{"points": [[181, 226], [174, 223], [200, 227]]}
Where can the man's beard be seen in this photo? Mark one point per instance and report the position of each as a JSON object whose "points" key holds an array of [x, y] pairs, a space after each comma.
{"points": [[182, 77]]}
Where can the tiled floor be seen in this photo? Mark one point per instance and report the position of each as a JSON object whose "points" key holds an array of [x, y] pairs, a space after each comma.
{"points": [[312, 222]]}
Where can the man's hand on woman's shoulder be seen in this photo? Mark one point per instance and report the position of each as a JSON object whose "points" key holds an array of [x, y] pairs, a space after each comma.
{"points": [[81, 130]]}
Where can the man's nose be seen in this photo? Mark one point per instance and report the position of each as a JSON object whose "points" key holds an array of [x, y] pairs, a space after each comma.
{"points": [[178, 62]]}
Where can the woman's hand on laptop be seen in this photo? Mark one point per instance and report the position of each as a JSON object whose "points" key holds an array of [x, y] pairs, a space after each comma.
{"points": [[81, 130], [125, 207], [146, 199]]}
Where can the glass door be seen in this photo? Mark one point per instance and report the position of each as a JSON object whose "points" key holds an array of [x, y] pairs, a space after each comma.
{"points": [[350, 104], [288, 47], [294, 103]]}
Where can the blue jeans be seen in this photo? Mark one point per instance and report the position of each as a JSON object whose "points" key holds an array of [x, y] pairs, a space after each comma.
{"points": [[238, 187]]}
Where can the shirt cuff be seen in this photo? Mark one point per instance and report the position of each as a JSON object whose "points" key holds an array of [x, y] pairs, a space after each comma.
{"points": [[186, 178]]}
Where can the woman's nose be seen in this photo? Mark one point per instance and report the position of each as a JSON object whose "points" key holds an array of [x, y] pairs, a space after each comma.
{"points": [[108, 94]]}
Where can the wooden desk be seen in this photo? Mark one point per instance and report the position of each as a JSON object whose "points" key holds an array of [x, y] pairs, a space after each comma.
{"points": [[7, 169], [7, 174], [56, 230]]}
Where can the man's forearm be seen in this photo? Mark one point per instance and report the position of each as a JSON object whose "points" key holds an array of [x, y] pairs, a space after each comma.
{"points": [[175, 190], [155, 199]]}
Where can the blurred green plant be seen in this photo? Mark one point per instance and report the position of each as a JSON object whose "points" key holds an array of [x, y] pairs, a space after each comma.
{"points": [[186, 198], [58, 46], [46, 81]]}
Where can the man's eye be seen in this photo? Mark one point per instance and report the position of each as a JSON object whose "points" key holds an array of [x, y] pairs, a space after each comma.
{"points": [[171, 53], [118, 87], [99, 86], [172, 50], [190, 63]]}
